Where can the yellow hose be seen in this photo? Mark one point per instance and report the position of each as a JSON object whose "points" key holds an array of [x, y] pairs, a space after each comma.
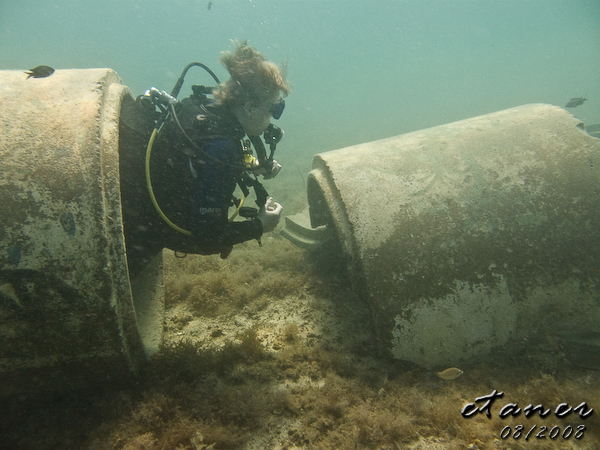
{"points": [[151, 192], [237, 210]]}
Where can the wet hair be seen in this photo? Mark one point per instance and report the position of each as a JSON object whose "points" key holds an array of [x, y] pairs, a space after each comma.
{"points": [[253, 78]]}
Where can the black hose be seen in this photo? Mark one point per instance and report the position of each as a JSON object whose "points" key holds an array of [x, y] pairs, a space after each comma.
{"points": [[177, 87]]}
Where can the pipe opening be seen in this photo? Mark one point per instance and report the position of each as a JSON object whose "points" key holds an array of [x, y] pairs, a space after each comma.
{"points": [[144, 262], [320, 214]]}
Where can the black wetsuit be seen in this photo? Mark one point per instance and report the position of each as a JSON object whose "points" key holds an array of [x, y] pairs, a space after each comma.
{"points": [[193, 188]]}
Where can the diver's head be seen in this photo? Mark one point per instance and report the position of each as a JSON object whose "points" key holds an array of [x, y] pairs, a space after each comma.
{"points": [[256, 117], [255, 90]]}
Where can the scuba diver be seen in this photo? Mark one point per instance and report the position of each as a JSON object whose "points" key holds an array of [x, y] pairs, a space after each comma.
{"points": [[181, 167]]}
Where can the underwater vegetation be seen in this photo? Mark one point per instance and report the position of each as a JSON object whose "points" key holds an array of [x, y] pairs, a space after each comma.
{"points": [[269, 349]]}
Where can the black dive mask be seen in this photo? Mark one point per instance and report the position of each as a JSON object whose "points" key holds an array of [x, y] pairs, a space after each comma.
{"points": [[277, 109]]}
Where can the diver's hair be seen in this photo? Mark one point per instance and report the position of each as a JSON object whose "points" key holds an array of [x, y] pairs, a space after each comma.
{"points": [[253, 78]]}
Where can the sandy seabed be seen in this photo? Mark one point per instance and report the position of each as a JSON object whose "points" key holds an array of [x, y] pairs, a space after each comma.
{"points": [[270, 349]]}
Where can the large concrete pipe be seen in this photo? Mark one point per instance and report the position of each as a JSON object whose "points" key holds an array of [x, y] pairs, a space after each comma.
{"points": [[69, 314], [471, 235]]}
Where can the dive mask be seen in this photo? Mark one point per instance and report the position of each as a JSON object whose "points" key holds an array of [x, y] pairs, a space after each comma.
{"points": [[277, 109]]}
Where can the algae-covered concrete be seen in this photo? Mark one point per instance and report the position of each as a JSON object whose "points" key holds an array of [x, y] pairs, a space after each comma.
{"points": [[66, 306], [470, 235]]}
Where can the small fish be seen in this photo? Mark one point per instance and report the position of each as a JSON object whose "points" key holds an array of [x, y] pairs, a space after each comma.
{"points": [[450, 374], [209, 5], [575, 102], [40, 72]]}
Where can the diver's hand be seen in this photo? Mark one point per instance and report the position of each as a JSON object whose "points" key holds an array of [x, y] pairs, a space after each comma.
{"points": [[275, 168], [269, 215]]}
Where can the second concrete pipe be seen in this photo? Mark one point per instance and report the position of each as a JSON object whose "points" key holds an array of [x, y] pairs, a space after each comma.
{"points": [[471, 235]]}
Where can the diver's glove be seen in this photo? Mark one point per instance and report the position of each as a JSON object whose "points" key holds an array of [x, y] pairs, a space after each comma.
{"points": [[275, 168], [269, 215]]}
